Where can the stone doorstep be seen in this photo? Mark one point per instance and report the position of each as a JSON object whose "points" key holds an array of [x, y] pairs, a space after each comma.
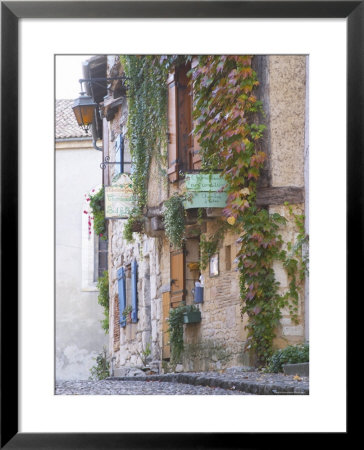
{"points": [[251, 387], [300, 369]]}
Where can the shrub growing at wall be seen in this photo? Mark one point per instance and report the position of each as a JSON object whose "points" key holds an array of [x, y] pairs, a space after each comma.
{"points": [[98, 211], [103, 299], [292, 354]]}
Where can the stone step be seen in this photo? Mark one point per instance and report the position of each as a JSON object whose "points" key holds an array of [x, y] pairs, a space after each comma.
{"points": [[300, 369]]}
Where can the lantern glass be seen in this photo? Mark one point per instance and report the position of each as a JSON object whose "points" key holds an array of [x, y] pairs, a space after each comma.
{"points": [[83, 109], [84, 114]]}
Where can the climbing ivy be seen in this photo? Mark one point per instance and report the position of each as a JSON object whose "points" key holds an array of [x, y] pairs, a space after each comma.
{"points": [[175, 330], [103, 299], [227, 114], [174, 220], [147, 121], [98, 212], [209, 245]]}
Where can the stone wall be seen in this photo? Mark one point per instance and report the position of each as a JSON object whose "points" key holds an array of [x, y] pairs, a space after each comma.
{"points": [[135, 338], [218, 341], [287, 111], [128, 344]]}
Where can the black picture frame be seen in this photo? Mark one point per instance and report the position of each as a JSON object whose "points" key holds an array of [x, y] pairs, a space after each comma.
{"points": [[11, 12]]}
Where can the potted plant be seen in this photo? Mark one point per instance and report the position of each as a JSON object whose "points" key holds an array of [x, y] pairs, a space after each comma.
{"points": [[127, 313], [192, 314]]}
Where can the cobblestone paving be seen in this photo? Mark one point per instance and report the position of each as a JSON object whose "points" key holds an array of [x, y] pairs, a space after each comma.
{"points": [[116, 387], [278, 380]]}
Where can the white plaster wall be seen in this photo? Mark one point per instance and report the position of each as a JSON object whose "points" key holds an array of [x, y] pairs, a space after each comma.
{"points": [[79, 336]]}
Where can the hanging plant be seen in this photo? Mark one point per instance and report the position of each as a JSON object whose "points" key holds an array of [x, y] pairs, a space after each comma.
{"points": [[174, 220], [96, 212], [97, 206]]}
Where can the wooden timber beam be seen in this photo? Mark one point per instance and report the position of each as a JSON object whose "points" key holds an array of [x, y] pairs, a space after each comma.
{"points": [[279, 195]]}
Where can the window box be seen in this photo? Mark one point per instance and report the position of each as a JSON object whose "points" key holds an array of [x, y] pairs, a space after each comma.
{"points": [[192, 317]]}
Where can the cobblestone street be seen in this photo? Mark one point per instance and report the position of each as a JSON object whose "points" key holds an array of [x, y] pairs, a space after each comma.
{"points": [[117, 387], [234, 381]]}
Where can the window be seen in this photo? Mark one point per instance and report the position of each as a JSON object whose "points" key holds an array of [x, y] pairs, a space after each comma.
{"points": [[182, 147], [101, 259]]}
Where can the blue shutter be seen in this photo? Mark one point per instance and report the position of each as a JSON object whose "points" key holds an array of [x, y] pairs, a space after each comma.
{"points": [[134, 291], [119, 154], [122, 294]]}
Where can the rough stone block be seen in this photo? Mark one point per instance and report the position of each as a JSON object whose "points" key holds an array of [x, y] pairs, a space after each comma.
{"points": [[300, 369], [293, 330]]}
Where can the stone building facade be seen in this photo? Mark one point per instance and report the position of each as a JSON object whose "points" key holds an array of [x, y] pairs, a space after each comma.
{"points": [[149, 269]]}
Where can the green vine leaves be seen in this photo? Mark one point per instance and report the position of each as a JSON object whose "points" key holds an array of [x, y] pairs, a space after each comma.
{"points": [[174, 220], [228, 122], [98, 211], [227, 116], [147, 121]]}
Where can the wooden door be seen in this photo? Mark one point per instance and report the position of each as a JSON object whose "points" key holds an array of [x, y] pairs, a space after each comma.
{"points": [[166, 305], [177, 277]]}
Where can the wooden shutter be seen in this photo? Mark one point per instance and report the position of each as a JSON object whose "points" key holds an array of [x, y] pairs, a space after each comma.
{"points": [[172, 129], [166, 304], [122, 294], [134, 291], [177, 278], [195, 151], [184, 118]]}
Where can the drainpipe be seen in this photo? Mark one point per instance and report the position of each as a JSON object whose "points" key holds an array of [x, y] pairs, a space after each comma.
{"points": [[95, 146], [94, 139]]}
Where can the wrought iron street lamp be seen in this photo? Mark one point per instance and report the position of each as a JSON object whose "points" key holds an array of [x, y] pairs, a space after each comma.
{"points": [[84, 109], [84, 106]]}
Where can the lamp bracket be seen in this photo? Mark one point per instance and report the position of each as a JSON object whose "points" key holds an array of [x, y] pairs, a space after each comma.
{"points": [[98, 80], [107, 161]]}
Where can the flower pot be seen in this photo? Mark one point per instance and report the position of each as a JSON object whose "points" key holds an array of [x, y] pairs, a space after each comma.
{"points": [[192, 317]]}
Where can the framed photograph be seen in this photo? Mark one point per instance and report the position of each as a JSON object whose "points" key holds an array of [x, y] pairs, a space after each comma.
{"points": [[214, 265], [31, 415]]}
